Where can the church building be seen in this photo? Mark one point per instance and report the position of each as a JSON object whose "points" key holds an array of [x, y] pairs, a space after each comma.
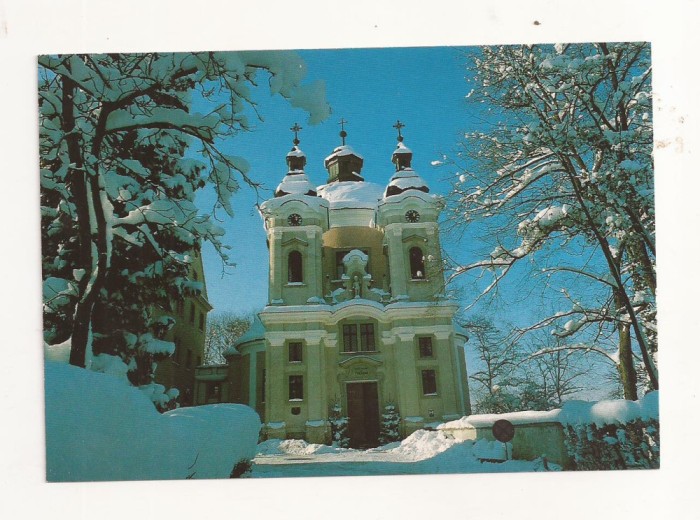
{"points": [[357, 316]]}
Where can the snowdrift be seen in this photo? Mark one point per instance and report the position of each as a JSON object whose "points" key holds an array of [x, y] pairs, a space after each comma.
{"points": [[100, 428]]}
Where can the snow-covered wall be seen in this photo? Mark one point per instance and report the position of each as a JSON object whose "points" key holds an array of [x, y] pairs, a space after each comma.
{"points": [[614, 434]]}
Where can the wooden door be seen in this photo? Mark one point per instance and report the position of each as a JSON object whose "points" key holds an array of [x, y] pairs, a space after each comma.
{"points": [[363, 415]]}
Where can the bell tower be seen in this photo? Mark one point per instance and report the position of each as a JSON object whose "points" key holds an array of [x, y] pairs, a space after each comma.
{"points": [[408, 214], [295, 220]]}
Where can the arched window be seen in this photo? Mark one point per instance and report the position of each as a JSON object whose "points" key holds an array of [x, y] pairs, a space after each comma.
{"points": [[294, 268], [415, 257]]}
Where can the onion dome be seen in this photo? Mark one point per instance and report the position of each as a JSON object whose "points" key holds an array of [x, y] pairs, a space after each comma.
{"points": [[404, 180], [295, 182], [405, 177]]}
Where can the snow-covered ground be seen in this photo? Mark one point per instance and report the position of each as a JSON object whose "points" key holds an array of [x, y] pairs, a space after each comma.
{"points": [[423, 452]]}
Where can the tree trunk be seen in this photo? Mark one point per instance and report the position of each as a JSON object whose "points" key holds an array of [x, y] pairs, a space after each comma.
{"points": [[649, 364], [78, 188], [625, 367], [92, 234]]}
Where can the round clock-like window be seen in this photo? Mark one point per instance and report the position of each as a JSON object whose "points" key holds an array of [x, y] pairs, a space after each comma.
{"points": [[412, 216], [294, 219]]}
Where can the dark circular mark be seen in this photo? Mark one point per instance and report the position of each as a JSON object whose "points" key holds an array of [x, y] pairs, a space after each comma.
{"points": [[503, 430]]}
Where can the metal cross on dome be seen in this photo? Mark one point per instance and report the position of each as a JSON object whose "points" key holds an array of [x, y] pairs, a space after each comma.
{"points": [[343, 133], [399, 125], [296, 129]]}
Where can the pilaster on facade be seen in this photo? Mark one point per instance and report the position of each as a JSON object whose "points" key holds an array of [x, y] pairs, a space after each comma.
{"points": [[315, 379], [275, 386], [397, 262], [275, 237], [406, 375]]}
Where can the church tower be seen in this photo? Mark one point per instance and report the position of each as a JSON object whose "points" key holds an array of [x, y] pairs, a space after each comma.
{"points": [[356, 318]]}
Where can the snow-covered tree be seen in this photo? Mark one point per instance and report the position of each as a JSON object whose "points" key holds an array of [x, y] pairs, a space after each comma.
{"points": [[339, 426], [122, 154], [562, 175], [222, 331], [495, 374], [389, 427]]}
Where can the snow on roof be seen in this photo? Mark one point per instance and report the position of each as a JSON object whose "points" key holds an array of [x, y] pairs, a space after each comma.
{"points": [[351, 194], [398, 198], [572, 412], [401, 148], [295, 183], [254, 333], [406, 179], [341, 151], [312, 201], [296, 152]]}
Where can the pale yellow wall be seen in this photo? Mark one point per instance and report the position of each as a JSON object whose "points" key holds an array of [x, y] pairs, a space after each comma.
{"points": [[395, 365], [347, 238]]}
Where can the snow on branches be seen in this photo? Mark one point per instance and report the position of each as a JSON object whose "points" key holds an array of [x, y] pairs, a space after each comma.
{"points": [[566, 166], [122, 154]]}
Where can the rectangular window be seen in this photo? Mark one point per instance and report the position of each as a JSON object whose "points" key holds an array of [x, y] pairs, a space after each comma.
{"points": [[349, 338], [192, 313], [201, 321], [295, 355], [296, 387], [429, 382], [425, 347], [367, 337]]}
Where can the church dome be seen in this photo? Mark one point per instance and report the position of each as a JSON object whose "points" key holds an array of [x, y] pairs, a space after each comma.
{"points": [[404, 180], [405, 177], [295, 182]]}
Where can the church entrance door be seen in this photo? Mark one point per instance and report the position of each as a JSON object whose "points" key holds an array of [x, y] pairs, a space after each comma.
{"points": [[363, 415]]}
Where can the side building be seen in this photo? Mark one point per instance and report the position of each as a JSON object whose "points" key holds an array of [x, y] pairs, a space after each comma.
{"points": [[188, 334], [357, 317]]}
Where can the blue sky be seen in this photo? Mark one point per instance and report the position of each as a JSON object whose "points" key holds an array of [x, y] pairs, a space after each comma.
{"points": [[370, 88]]}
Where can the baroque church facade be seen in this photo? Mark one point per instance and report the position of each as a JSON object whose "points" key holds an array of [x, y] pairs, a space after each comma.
{"points": [[357, 317]]}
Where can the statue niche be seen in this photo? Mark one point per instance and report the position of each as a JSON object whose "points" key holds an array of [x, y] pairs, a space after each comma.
{"points": [[356, 279]]}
